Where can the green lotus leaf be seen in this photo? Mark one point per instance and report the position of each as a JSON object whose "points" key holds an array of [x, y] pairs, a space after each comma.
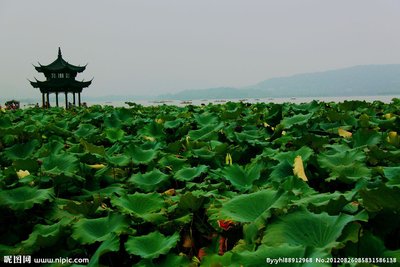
{"points": [[107, 191], [173, 124], [151, 246], [119, 160], [91, 148], [172, 162], [282, 171], [188, 174], [140, 205], [350, 173], [21, 151], [298, 119], [319, 233], [241, 178], [111, 244], [112, 121], [87, 208], [149, 181], [54, 146], [252, 136], [332, 203], [88, 231], [363, 137], [215, 259], [42, 236], [140, 155], [25, 197], [191, 201], [206, 119], [265, 255], [250, 207], [203, 153], [393, 175], [114, 134], [152, 129], [346, 165], [60, 164], [381, 199], [305, 153], [86, 130], [209, 132]]}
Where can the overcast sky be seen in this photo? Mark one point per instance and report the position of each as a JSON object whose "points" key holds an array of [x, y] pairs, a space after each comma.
{"points": [[154, 47]]}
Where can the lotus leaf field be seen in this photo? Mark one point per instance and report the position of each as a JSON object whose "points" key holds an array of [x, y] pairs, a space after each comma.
{"points": [[214, 185]]}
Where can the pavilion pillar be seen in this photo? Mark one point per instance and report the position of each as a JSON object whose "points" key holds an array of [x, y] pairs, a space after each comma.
{"points": [[79, 98], [66, 99], [74, 98], [43, 104], [57, 99], [47, 100]]}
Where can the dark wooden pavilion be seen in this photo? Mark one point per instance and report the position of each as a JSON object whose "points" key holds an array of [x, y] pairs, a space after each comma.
{"points": [[60, 78]]}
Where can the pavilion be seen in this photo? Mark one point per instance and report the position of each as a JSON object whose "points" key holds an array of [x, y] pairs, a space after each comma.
{"points": [[60, 78]]}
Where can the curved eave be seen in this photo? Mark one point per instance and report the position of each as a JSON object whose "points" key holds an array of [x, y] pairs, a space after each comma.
{"points": [[60, 65], [60, 84]]}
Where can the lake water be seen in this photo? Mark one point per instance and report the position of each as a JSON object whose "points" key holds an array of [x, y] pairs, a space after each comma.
{"points": [[296, 100]]}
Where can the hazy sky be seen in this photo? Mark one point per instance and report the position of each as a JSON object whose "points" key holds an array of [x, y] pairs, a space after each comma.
{"points": [[154, 47]]}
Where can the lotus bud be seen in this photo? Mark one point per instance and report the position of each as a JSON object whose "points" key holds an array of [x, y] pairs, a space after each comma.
{"points": [[97, 166], [298, 168], [21, 174], [228, 159], [344, 133]]}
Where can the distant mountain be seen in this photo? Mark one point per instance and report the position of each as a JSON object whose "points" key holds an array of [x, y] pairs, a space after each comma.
{"points": [[353, 81]]}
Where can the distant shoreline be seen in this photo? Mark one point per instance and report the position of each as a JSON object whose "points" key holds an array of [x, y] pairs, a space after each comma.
{"points": [[276, 100]]}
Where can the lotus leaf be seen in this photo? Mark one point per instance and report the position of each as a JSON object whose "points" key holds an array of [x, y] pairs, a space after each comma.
{"points": [[367, 137], [381, 199], [149, 181], [298, 119], [206, 119], [191, 201], [42, 236], [319, 233], [88, 231], [139, 155], [109, 245], [304, 152], [25, 197], [241, 178], [188, 174], [60, 164], [114, 134], [250, 207], [140, 205], [91, 148], [119, 160], [152, 245], [208, 132], [345, 165], [21, 151], [112, 121], [86, 130], [153, 129]]}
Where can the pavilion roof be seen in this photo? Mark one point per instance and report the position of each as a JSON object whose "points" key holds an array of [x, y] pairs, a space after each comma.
{"points": [[59, 65], [60, 85]]}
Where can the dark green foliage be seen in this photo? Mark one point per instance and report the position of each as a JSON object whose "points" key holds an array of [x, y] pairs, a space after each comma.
{"points": [[201, 185]]}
